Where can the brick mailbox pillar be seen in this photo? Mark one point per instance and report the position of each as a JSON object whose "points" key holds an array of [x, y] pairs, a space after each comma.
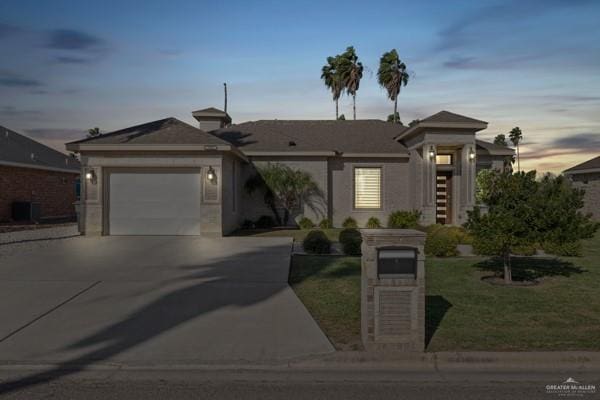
{"points": [[393, 290]]}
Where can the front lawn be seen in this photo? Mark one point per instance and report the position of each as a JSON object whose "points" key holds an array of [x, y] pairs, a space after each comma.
{"points": [[298, 234], [466, 313]]}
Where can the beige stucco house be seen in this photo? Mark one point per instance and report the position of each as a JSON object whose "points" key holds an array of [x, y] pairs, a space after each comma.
{"points": [[168, 177], [587, 176]]}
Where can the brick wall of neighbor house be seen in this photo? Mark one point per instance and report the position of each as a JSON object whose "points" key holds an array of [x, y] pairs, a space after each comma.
{"points": [[591, 184], [397, 188], [254, 206], [55, 191]]}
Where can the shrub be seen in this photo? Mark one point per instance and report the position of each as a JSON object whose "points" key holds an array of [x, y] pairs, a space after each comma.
{"points": [[265, 222], [525, 250], [442, 243], [484, 247], [349, 223], [351, 240], [325, 224], [316, 242], [567, 249], [460, 234], [404, 219], [373, 223], [305, 223]]}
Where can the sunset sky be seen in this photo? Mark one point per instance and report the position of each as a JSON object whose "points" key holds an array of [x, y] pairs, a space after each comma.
{"points": [[66, 66]]}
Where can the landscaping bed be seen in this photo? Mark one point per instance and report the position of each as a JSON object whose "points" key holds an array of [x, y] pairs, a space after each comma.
{"points": [[466, 313]]}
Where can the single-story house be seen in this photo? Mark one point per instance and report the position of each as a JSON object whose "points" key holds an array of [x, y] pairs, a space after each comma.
{"points": [[41, 180], [587, 176], [168, 177]]}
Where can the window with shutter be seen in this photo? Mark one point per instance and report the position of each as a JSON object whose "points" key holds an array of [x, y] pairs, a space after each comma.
{"points": [[367, 188]]}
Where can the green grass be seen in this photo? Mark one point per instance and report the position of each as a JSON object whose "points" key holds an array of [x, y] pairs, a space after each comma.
{"points": [[466, 313], [298, 234]]}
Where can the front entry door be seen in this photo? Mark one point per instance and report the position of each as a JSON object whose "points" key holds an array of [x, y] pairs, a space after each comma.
{"points": [[443, 206]]}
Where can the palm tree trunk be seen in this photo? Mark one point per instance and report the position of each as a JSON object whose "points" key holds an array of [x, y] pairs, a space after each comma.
{"points": [[354, 105], [395, 108], [518, 159], [336, 110]]}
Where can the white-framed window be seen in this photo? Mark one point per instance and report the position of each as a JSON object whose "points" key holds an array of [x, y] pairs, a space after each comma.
{"points": [[443, 159], [367, 187]]}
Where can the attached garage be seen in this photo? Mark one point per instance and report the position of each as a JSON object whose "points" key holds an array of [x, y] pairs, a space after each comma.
{"points": [[154, 202]]}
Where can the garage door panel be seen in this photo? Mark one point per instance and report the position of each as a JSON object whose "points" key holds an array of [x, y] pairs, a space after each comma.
{"points": [[154, 203]]}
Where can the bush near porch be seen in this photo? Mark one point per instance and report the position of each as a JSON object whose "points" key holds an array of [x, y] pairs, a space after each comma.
{"points": [[464, 312]]}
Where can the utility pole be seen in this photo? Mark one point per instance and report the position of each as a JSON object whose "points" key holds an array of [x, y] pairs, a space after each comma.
{"points": [[225, 88]]}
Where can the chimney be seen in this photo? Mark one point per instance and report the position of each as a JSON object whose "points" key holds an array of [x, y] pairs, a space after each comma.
{"points": [[212, 118]]}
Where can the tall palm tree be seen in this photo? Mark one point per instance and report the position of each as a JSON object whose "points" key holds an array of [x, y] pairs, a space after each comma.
{"points": [[392, 76], [330, 74], [515, 136], [351, 71]]}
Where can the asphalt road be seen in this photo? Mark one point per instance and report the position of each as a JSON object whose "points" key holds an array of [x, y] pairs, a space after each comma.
{"points": [[292, 385]]}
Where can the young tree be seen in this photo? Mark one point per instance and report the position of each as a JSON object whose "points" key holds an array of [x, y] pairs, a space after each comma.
{"points": [[351, 71], [93, 132], [289, 187], [500, 140], [392, 76], [516, 136], [330, 74], [510, 218]]}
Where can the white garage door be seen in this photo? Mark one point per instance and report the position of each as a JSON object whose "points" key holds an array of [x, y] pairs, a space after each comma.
{"points": [[162, 203]]}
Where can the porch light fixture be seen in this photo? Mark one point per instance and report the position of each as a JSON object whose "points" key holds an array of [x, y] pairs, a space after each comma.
{"points": [[431, 152], [210, 175], [471, 154], [91, 176]]}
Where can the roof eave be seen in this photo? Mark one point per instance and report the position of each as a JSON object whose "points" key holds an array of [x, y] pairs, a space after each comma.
{"points": [[581, 171], [476, 126], [41, 167], [78, 147]]}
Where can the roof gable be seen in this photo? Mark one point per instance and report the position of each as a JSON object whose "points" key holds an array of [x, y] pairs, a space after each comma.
{"points": [[450, 117], [592, 164], [17, 149]]}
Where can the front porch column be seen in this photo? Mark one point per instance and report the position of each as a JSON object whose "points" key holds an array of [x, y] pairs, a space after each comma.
{"points": [[467, 182], [429, 178]]}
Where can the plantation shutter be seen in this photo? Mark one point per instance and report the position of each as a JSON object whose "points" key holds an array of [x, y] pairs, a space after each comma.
{"points": [[367, 187]]}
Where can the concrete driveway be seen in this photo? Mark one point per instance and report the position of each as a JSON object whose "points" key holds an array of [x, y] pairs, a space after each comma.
{"points": [[152, 300]]}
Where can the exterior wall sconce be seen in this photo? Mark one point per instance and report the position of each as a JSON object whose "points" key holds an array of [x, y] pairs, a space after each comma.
{"points": [[471, 154], [431, 152], [91, 176], [210, 175]]}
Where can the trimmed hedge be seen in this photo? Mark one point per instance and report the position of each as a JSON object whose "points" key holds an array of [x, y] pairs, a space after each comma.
{"points": [[306, 223], [404, 219], [325, 224], [316, 242], [373, 223], [349, 223], [441, 243], [351, 240]]}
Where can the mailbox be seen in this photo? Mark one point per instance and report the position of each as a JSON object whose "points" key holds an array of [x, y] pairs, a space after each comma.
{"points": [[397, 262]]}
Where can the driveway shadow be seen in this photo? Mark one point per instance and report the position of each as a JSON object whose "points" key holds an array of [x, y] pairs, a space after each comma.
{"points": [[157, 317], [436, 308]]}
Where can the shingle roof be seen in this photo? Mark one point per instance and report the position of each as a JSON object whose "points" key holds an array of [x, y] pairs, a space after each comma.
{"points": [[19, 149], [210, 110], [494, 149], [164, 131], [447, 116], [594, 163], [362, 136]]}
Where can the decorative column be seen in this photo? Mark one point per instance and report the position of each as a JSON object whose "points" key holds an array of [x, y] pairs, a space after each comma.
{"points": [[467, 182], [429, 183]]}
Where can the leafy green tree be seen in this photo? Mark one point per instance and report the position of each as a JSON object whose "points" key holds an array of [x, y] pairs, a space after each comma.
{"points": [[342, 117], [510, 218], [500, 140], [394, 118], [515, 136], [330, 74], [351, 71], [483, 182], [93, 132], [392, 76], [289, 187]]}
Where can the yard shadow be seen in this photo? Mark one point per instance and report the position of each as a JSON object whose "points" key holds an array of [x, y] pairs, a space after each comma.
{"points": [[333, 269], [530, 268], [207, 292], [436, 308]]}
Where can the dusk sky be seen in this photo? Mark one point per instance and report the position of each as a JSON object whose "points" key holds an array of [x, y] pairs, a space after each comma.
{"points": [[67, 66]]}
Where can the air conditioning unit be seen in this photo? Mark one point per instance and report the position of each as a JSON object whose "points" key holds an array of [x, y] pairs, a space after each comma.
{"points": [[26, 211]]}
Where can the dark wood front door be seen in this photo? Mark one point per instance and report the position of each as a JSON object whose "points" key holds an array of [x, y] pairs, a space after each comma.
{"points": [[443, 206]]}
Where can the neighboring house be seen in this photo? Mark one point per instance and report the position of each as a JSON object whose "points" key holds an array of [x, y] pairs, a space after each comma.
{"points": [[33, 173], [168, 177], [587, 176]]}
